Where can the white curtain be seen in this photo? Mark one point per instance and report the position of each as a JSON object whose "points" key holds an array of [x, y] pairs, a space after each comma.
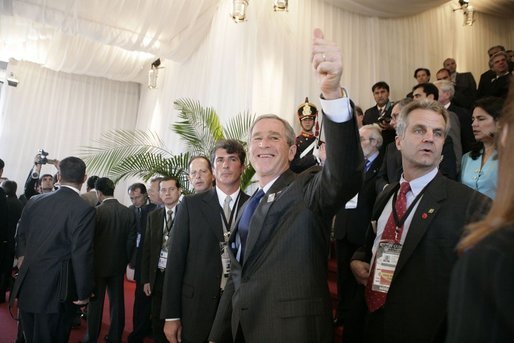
{"points": [[59, 112], [260, 66], [263, 64]]}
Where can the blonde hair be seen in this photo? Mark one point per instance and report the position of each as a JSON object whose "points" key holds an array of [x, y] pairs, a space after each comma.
{"points": [[502, 210]]}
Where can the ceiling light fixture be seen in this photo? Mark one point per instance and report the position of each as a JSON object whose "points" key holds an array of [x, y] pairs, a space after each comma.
{"points": [[239, 10], [469, 16], [280, 5]]}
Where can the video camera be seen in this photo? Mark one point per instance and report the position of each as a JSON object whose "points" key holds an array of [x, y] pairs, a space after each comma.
{"points": [[385, 118], [42, 157]]}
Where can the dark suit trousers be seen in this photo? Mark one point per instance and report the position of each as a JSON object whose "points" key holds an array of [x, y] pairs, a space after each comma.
{"points": [[157, 322], [141, 315], [351, 308], [114, 286], [48, 327]]}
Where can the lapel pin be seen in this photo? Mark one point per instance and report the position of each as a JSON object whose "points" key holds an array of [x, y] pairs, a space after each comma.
{"points": [[271, 197], [424, 216], [431, 211]]}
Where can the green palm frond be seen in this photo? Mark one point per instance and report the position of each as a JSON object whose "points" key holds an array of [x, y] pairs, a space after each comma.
{"points": [[200, 127], [117, 145], [147, 165], [239, 126]]}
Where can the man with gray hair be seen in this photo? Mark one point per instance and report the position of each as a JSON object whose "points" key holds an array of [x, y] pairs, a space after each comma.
{"points": [[446, 95], [406, 262], [498, 84]]}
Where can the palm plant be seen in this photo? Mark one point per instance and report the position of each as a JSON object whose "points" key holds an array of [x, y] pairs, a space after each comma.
{"points": [[120, 154]]}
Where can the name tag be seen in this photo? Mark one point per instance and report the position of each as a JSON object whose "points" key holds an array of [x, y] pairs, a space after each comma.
{"points": [[386, 259], [163, 258]]}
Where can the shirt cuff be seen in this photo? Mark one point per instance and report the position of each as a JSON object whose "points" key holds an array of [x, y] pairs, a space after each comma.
{"points": [[337, 110], [171, 319]]}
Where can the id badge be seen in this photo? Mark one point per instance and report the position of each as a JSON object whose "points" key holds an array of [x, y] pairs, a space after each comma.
{"points": [[138, 240], [163, 258], [225, 259], [386, 259]]}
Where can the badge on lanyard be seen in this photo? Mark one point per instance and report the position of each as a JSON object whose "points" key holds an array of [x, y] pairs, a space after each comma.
{"points": [[386, 259]]}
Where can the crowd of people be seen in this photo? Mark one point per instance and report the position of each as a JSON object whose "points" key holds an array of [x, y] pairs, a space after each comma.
{"points": [[417, 194]]}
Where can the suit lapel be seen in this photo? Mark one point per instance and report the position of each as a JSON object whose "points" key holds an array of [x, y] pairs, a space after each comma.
{"points": [[212, 211], [260, 214], [422, 218]]}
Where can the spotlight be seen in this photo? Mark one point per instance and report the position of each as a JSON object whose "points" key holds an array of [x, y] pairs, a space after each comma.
{"points": [[469, 16], [12, 81], [280, 5], [239, 10]]}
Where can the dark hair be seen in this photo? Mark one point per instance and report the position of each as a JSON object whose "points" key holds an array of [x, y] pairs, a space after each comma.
{"points": [[421, 69], [201, 156], [169, 178], [105, 185], [501, 47], [10, 187], [91, 181], [380, 84], [72, 170], [492, 106], [443, 69], [2, 164], [137, 185], [428, 88], [232, 146]]}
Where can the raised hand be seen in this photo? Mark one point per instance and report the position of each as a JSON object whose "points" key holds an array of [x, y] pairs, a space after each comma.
{"points": [[326, 61]]}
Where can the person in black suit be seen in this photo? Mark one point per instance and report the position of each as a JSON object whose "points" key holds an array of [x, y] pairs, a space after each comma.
{"points": [[197, 272], [142, 305], [498, 84], [13, 214], [277, 290], [4, 239], [115, 236], [55, 256], [482, 280], [464, 83], [155, 251], [381, 112], [350, 226], [489, 74], [409, 253]]}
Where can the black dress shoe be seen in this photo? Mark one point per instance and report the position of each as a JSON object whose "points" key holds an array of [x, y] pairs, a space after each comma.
{"points": [[337, 322]]}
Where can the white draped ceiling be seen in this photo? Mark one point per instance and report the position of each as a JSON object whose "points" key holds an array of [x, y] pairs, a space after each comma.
{"points": [[82, 64]]}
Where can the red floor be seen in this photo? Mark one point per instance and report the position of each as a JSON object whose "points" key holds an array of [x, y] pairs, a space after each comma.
{"points": [[8, 325]]}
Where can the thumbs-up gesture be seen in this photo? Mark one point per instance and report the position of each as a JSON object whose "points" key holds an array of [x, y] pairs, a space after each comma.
{"points": [[326, 60]]}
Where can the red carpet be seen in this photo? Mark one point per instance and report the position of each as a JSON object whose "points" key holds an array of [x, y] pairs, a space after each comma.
{"points": [[8, 326]]}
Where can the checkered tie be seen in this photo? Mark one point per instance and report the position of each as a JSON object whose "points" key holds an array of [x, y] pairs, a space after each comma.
{"points": [[374, 299]]}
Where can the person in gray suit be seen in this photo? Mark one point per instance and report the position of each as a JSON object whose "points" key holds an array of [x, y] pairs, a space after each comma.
{"points": [[55, 257], [277, 290], [115, 237], [199, 264]]}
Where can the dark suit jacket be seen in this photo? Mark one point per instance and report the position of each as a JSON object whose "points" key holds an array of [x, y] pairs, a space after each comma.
{"points": [[193, 273], [466, 131], [54, 227], [115, 237], [152, 246], [351, 224], [371, 115], [280, 293], [481, 291], [418, 294], [465, 89], [137, 255], [499, 87]]}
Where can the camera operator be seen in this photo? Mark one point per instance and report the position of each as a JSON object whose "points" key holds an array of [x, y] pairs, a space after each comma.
{"points": [[37, 183]]}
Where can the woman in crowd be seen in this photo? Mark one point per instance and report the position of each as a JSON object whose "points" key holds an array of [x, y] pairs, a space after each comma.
{"points": [[481, 304], [480, 165]]}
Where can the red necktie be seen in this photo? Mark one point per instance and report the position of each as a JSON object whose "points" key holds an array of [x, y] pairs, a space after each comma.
{"points": [[376, 300]]}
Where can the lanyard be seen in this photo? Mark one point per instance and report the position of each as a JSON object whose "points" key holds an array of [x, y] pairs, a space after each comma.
{"points": [[227, 224], [400, 221]]}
